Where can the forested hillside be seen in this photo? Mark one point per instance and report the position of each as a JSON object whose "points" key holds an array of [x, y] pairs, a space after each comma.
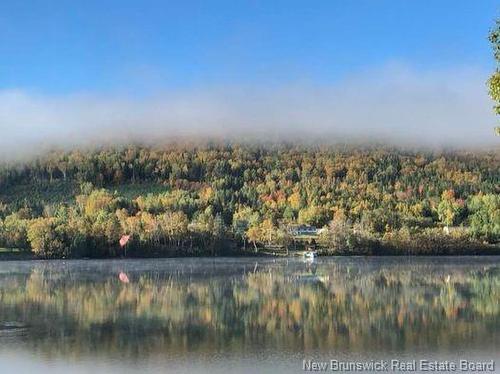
{"points": [[214, 198]]}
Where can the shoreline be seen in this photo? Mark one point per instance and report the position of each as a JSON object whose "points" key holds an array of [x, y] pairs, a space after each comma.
{"points": [[30, 256]]}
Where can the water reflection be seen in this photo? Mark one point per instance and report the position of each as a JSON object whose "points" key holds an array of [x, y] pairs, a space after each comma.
{"points": [[237, 306]]}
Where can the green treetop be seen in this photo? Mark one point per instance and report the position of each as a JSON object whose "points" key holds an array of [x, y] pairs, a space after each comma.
{"points": [[494, 81]]}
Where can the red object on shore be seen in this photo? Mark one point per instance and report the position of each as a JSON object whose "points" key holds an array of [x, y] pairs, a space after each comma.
{"points": [[123, 277], [124, 240]]}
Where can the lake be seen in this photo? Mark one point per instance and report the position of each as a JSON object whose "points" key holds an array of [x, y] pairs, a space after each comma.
{"points": [[256, 315]]}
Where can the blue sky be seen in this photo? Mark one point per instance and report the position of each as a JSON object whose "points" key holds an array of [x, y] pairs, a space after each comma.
{"points": [[86, 72], [61, 47]]}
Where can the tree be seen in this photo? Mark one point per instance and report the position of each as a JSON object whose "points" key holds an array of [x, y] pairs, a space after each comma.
{"points": [[94, 202], [107, 228], [313, 215], [268, 231], [295, 200], [243, 218], [254, 235], [44, 239], [14, 231], [449, 208], [150, 228], [174, 226], [485, 218], [343, 237], [494, 81], [283, 238]]}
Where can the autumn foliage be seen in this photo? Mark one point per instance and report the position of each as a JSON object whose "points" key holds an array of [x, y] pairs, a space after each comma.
{"points": [[189, 199]]}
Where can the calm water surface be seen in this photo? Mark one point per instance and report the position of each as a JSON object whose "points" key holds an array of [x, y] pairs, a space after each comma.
{"points": [[246, 314]]}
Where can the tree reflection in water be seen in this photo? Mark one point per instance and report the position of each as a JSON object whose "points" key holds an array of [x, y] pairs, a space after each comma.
{"points": [[180, 306]]}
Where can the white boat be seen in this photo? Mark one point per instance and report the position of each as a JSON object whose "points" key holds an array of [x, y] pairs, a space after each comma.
{"points": [[310, 254]]}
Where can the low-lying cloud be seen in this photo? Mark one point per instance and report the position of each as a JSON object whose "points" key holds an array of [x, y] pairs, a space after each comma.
{"points": [[395, 104]]}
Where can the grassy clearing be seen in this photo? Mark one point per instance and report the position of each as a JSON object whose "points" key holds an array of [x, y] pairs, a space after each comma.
{"points": [[133, 190], [47, 192], [64, 192]]}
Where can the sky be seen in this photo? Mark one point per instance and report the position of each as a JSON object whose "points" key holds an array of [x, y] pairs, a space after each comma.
{"points": [[73, 71]]}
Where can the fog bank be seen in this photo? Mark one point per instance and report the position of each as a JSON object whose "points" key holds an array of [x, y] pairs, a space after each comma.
{"points": [[397, 104]]}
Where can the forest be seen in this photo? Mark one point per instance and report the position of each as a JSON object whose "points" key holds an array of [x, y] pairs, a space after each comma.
{"points": [[224, 197]]}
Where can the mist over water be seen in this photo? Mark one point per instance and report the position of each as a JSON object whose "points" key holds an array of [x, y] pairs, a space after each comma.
{"points": [[392, 104], [245, 314]]}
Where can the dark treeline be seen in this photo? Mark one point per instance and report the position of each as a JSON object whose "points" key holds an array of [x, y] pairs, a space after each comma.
{"points": [[220, 197]]}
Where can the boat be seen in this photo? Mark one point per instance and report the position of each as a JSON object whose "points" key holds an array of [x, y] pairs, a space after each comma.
{"points": [[310, 254]]}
